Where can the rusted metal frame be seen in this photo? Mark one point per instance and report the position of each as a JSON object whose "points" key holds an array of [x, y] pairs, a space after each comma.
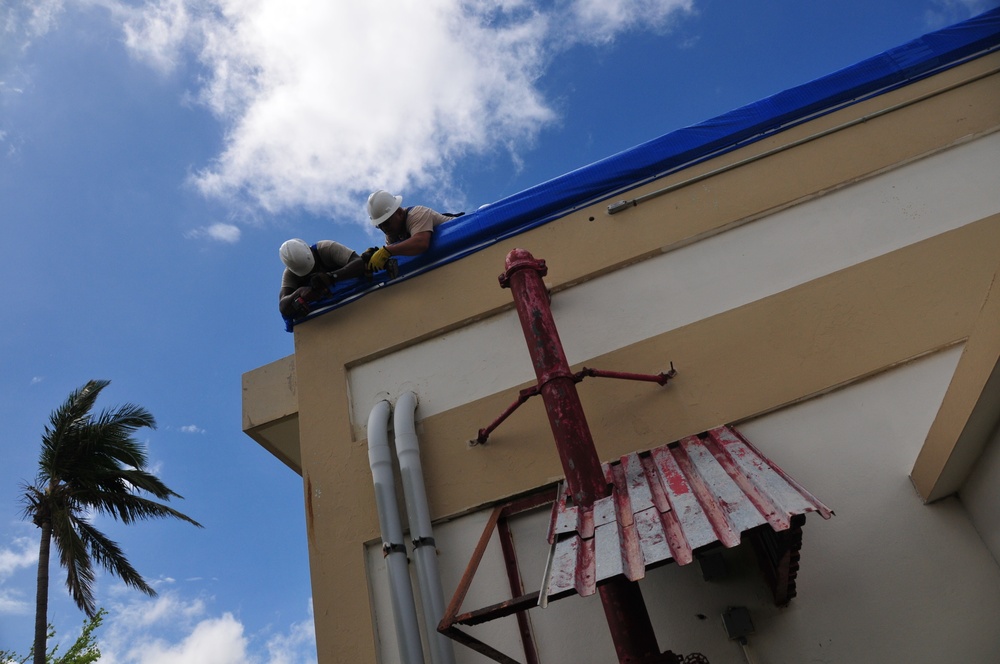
{"points": [[530, 502], [517, 590], [661, 378], [448, 621], [475, 644], [523, 396], [624, 608], [518, 604], [470, 571], [503, 609], [502, 511]]}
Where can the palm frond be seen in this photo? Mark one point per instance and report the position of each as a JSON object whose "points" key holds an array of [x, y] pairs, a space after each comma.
{"points": [[33, 502], [129, 508], [59, 452], [109, 555], [74, 558], [146, 481]]}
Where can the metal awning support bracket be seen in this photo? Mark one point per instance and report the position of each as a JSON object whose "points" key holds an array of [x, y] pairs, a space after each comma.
{"points": [[661, 379], [518, 604]]}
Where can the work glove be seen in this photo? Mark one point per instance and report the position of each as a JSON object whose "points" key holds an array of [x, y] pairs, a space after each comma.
{"points": [[322, 282], [379, 259]]}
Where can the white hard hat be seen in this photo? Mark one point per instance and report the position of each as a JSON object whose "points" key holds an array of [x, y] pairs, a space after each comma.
{"points": [[381, 206], [297, 257]]}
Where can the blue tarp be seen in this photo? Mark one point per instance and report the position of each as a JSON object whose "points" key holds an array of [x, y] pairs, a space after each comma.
{"points": [[900, 66]]}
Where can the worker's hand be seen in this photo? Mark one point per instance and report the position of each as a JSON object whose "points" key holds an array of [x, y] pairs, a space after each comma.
{"points": [[392, 268], [367, 256], [300, 307], [379, 259], [322, 282]]}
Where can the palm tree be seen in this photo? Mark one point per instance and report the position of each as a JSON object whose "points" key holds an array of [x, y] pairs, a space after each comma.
{"points": [[90, 464]]}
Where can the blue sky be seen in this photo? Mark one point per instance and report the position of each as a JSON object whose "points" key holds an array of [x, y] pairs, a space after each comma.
{"points": [[154, 155]]}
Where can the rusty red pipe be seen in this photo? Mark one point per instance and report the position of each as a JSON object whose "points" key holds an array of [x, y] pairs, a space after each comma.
{"points": [[556, 382], [624, 607]]}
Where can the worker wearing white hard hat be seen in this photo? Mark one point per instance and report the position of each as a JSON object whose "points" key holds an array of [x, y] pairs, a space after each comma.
{"points": [[311, 271], [408, 231]]}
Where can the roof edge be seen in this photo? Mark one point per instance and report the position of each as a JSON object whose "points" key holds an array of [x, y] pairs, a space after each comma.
{"points": [[920, 58]]}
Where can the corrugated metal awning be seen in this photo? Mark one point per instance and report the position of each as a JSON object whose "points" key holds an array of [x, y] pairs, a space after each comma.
{"points": [[674, 500]]}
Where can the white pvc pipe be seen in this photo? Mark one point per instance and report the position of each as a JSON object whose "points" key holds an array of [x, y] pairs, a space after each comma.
{"points": [[418, 514], [404, 611]]}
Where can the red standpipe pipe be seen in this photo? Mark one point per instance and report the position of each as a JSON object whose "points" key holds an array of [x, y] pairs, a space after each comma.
{"points": [[624, 608]]}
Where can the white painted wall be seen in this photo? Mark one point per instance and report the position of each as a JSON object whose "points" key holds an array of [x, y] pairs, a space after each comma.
{"points": [[888, 579], [854, 224], [981, 496]]}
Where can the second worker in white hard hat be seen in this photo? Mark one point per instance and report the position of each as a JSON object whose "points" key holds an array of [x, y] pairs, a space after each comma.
{"points": [[408, 231], [311, 271]]}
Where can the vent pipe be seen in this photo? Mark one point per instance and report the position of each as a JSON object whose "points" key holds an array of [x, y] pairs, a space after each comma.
{"points": [[404, 612], [418, 514]]}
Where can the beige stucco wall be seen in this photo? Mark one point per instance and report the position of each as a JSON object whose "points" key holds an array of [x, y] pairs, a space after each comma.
{"points": [[744, 362]]}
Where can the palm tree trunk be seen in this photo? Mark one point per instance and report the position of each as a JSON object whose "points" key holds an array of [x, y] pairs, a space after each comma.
{"points": [[42, 594]]}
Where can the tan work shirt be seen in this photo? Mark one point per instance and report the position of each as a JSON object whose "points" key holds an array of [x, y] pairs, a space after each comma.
{"points": [[419, 219]]}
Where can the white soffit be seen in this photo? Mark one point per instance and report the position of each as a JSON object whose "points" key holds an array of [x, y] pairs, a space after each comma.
{"points": [[851, 225]]}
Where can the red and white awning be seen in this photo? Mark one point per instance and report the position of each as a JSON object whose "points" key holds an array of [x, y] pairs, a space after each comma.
{"points": [[672, 501]]}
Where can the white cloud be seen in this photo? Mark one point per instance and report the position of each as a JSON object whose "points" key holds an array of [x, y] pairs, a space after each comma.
{"points": [[22, 553], [26, 21], [11, 603], [192, 428], [291, 648], [213, 641], [227, 233], [600, 21], [21, 23], [157, 33], [325, 101], [946, 12], [172, 630]]}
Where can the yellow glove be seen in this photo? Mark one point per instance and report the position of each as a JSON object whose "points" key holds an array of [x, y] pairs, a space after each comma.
{"points": [[379, 259]]}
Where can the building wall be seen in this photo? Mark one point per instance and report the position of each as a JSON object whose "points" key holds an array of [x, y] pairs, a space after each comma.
{"points": [[981, 496], [817, 298], [866, 575], [794, 246]]}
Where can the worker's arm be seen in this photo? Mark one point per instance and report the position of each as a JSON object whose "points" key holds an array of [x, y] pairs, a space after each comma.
{"points": [[355, 268], [323, 282], [412, 246]]}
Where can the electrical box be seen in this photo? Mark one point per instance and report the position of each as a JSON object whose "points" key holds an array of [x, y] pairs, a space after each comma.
{"points": [[736, 620]]}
